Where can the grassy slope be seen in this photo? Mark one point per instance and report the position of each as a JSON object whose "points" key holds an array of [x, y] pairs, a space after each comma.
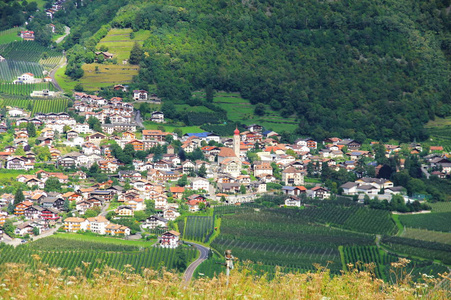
{"points": [[102, 239], [9, 35], [241, 110], [119, 43]]}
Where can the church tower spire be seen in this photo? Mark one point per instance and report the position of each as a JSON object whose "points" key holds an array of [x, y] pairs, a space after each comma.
{"points": [[236, 142]]}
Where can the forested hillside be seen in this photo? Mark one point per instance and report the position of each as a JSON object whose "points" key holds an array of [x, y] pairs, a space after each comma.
{"points": [[363, 68]]}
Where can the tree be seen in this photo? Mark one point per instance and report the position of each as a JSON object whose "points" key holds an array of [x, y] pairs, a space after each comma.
{"points": [[107, 120], [91, 212], [52, 185], [183, 181], [129, 150], [36, 231], [19, 151], [181, 262], [94, 124], [209, 93], [202, 172], [136, 54], [93, 170], [18, 197], [31, 129], [78, 87], [259, 109], [242, 189]]}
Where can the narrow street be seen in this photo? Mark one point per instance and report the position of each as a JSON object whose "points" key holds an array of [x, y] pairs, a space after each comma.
{"points": [[15, 242]]}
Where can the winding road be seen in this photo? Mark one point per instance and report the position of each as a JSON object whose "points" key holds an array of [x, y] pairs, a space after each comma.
{"points": [[62, 61], [192, 267]]}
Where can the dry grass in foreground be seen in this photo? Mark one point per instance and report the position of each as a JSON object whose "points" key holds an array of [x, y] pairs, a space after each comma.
{"points": [[16, 282]]}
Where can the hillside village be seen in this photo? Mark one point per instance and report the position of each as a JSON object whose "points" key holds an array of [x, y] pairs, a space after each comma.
{"points": [[95, 168]]}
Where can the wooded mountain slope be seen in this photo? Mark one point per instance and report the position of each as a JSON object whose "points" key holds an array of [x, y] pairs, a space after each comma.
{"points": [[359, 68]]}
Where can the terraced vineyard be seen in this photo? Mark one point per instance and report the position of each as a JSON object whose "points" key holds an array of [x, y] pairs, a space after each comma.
{"points": [[89, 258], [199, 228]]}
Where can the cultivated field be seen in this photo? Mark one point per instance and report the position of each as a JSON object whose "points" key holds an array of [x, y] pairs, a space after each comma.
{"points": [[427, 235], [92, 80], [431, 221], [119, 43], [36, 105], [91, 256]]}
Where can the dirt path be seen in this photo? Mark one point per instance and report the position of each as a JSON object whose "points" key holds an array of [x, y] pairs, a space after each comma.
{"points": [[62, 62]]}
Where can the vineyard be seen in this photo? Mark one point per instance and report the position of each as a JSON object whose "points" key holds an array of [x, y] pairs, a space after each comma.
{"points": [[50, 105], [280, 237], [427, 235], [353, 217], [26, 51], [440, 207], [36, 105], [90, 259], [419, 248], [431, 221], [19, 102], [26, 57], [25, 89], [198, 228], [10, 69], [361, 257]]}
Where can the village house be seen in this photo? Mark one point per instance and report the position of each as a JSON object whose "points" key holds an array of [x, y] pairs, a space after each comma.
{"points": [[140, 95], [154, 222], [169, 239], [293, 201], [292, 176]]}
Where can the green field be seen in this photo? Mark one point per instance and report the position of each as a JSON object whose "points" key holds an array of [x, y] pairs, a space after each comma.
{"points": [[71, 238], [170, 128], [10, 35], [92, 80], [440, 207], [241, 110], [119, 43], [427, 235], [430, 221]]}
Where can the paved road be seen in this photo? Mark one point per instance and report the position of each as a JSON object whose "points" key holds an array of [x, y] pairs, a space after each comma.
{"points": [[138, 119], [104, 210], [62, 62], [66, 33], [424, 169], [192, 267], [15, 242]]}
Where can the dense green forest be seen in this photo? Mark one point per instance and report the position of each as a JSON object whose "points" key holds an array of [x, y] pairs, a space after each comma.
{"points": [[377, 69]]}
